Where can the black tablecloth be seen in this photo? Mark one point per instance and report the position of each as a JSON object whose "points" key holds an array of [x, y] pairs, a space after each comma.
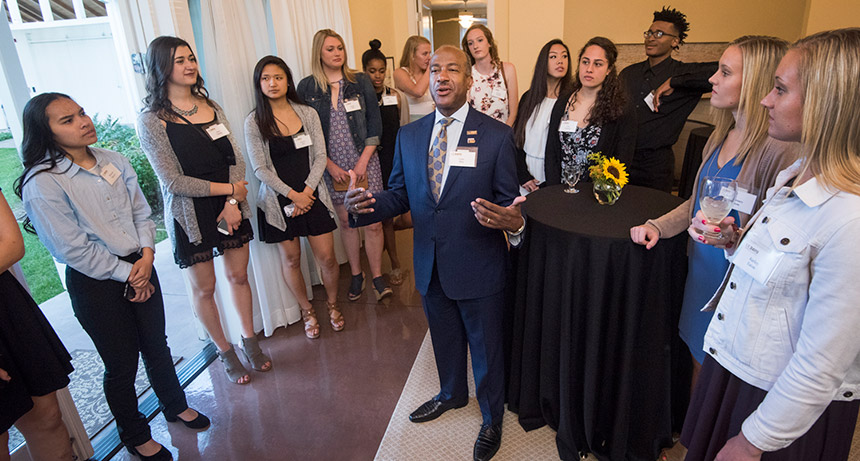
{"points": [[594, 348], [692, 159]]}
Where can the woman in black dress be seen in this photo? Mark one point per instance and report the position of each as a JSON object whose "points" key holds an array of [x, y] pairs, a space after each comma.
{"points": [[394, 110], [287, 151], [187, 139], [34, 365]]}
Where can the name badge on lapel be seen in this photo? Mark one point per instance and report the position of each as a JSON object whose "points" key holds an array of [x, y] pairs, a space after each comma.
{"points": [[217, 131], [110, 173], [464, 157], [351, 105], [389, 100], [302, 140], [567, 126]]}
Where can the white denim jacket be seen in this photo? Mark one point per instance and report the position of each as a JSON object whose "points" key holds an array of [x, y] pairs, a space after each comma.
{"points": [[796, 336]]}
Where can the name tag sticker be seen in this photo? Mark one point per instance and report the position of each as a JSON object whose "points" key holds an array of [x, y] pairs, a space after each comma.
{"points": [[302, 140], [351, 105], [567, 126], [464, 156], [757, 261], [744, 201], [499, 92], [649, 100], [217, 131], [110, 173], [389, 100]]}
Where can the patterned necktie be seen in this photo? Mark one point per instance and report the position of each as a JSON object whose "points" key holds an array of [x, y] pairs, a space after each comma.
{"points": [[436, 161]]}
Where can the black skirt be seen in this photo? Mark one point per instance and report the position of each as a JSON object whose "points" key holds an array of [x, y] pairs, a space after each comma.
{"points": [[721, 402], [293, 167], [30, 352]]}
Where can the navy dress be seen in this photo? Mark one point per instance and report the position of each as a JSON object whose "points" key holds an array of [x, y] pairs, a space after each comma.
{"points": [[705, 272]]}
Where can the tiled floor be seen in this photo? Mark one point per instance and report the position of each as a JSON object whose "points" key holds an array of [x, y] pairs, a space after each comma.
{"points": [[329, 398]]}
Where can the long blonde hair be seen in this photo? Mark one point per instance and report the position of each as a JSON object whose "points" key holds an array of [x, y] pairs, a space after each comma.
{"points": [[829, 73], [316, 59], [760, 56], [412, 44]]}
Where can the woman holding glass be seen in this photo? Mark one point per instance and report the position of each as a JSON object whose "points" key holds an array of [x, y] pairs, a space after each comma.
{"points": [[738, 150], [187, 139], [782, 375], [346, 104], [413, 76], [552, 77], [287, 151], [592, 117], [90, 213]]}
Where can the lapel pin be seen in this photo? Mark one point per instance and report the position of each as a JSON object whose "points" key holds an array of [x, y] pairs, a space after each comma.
{"points": [[472, 132], [470, 140]]}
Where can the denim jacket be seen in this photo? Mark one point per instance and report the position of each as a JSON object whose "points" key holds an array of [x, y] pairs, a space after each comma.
{"points": [[365, 124], [796, 334]]}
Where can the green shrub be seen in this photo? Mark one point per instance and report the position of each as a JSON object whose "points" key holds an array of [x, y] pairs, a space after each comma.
{"points": [[123, 139], [4, 135]]}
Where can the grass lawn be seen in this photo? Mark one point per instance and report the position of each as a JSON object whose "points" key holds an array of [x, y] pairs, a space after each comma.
{"points": [[38, 266]]}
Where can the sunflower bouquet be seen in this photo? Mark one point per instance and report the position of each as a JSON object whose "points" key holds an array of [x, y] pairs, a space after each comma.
{"points": [[608, 175]]}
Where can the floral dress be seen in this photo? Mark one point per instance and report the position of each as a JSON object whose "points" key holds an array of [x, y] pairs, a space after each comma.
{"points": [[576, 146], [489, 94]]}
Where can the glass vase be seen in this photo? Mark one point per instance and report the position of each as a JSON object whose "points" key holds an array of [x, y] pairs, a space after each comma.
{"points": [[606, 193]]}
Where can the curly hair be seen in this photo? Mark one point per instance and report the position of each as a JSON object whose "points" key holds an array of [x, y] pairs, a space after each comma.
{"points": [[611, 98], [676, 18]]}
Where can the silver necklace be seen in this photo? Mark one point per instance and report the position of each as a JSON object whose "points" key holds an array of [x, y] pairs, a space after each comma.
{"points": [[185, 113]]}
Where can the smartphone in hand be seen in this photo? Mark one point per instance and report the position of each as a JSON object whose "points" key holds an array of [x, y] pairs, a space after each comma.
{"points": [[223, 227], [129, 293]]}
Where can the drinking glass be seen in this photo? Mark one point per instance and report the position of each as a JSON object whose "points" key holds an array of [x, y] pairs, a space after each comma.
{"points": [[716, 199], [570, 174]]}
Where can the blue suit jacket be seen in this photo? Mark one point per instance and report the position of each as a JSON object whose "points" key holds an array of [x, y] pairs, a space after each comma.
{"points": [[471, 260]]}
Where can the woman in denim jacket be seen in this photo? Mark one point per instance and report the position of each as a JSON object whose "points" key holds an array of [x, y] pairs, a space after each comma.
{"points": [[782, 373], [346, 103]]}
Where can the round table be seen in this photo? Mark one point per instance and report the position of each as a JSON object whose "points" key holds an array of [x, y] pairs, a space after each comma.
{"points": [[594, 348]]}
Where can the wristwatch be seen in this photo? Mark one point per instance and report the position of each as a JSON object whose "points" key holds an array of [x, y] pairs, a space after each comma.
{"points": [[232, 201]]}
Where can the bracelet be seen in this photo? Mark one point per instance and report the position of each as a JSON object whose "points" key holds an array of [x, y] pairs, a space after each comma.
{"points": [[232, 189], [520, 230]]}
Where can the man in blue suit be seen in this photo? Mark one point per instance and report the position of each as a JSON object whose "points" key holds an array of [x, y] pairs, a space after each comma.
{"points": [[455, 170]]}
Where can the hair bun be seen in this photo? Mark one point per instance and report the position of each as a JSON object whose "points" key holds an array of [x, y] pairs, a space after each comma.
{"points": [[375, 44]]}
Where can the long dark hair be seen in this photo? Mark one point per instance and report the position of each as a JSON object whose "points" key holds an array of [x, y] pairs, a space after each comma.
{"points": [[39, 147], [611, 99], [265, 118], [159, 66], [538, 89]]}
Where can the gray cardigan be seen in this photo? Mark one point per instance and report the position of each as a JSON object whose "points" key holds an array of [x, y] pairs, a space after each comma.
{"points": [[179, 190], [271, 184]]}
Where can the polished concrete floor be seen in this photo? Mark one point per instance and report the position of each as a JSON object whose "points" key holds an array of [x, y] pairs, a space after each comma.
{"points": [[326, 399]]}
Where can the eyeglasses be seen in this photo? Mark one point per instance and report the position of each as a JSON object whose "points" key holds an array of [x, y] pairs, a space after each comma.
{"points": [[656, 34]]}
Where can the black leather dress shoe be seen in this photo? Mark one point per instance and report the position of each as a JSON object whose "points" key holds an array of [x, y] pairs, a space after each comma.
{"points": [[199, 423], [433, 409], [489, 440], [162, 455]]}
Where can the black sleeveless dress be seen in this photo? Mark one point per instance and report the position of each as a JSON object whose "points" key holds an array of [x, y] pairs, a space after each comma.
{"points": [[30, 352], [293, 167], [390, 126], [202, 158]]}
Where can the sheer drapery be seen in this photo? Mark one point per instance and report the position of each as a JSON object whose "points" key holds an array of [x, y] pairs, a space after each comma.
{"points": [[296, 21]]}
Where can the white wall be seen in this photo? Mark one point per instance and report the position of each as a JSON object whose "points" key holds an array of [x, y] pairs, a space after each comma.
{"points": [[79, 60]]}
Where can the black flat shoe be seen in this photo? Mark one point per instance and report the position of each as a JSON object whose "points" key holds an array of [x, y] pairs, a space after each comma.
{"points": [[488, 443], [198, 423], [433, 409], [162, 455]]}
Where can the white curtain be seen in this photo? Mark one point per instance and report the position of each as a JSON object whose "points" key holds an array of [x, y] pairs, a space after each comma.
{"points": [[235, 36], [296, 22]]}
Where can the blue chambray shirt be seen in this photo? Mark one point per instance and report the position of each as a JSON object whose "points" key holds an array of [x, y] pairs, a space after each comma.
{"points": [[86, 222]]}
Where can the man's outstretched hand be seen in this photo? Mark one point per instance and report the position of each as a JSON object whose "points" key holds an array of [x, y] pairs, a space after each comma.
{"points": [[357, 200], [508, 218]]}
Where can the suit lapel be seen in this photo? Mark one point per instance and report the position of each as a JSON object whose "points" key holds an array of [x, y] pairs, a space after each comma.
{"points": [[472, 125], [422, 148]]}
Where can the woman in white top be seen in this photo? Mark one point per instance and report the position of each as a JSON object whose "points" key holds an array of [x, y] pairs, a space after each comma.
{"points": [[552, 76], [413, 79], [782, 375], [494, 83]]}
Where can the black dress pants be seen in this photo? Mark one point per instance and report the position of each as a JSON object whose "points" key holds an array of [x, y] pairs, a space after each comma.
{"points": [[122, 331]]}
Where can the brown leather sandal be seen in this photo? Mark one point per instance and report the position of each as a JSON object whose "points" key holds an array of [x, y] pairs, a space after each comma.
{"points": [[312, 327], [335, 317]]}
